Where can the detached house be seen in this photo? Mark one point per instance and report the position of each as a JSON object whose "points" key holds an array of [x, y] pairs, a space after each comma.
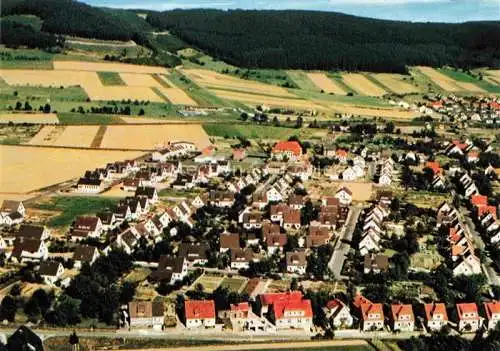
{"points": [[290, 150], [287, 310], [147, 191], [26, 249], [372, 314], [402, 317], [85, 254], [51, 271], [296, 262], [199, 313], [468, 317], [194, 254], [344, 195], [86, 227], [435, 316], [492, 310], [170, 269], [241, 258], [11, 212], [338, 314], [146, 314]]}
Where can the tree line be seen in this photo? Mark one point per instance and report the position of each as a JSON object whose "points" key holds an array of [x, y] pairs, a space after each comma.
{"points": [[331, 41]]}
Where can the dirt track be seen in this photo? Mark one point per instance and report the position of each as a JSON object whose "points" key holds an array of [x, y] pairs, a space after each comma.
{"points": [[267, 346]]}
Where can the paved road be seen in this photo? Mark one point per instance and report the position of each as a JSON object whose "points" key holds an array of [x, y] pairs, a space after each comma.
{"points": [[340, 251]]}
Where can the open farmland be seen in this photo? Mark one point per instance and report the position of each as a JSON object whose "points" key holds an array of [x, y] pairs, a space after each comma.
{"points": [[149, 137], [373, 112], [48, 78], [254, 99], [74, 136], [139, 80], [325, 83], [106, 67], [25, 169], [41, 118], [440, 79], [362, 85], [177, 96], [210, 79], [118, 93], [396, 83]]}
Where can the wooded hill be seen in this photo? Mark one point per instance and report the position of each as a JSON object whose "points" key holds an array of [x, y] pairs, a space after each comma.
{"points": [[326, 40]]}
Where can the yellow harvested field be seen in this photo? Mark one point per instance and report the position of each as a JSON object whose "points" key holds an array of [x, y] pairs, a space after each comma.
{"points": [[74, 136], [325, 83], [253, 99], [139, 80], [106, 67], [149, 137], [470, 87], [100, 92], [143, 120], [440, 79], [26, 169], [376, 112], [47, 78], [177, 96], [362, 85], [495, 73], [396, 83], [210, 79], [41, 118]]}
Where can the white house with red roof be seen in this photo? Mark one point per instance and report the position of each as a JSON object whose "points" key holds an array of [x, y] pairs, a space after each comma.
{"points": [[199, 313], [372, 314], [492, 310], [468, 317], [290, 150], [402, 317], [338, 314], [341, 155], [436, 316], [287, 310]]}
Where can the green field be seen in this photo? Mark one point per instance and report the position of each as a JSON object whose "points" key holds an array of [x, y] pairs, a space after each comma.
{"points": [[301, 79], [110, 78], [358, 100], [88, 118], [249, 131], [25, 58], [337, 78], [72, 206], [461, 76], [201, 95], [39, 95], [233, 284]]}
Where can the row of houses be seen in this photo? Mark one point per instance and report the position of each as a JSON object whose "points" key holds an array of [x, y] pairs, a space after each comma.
{"points": [[461, 244]]}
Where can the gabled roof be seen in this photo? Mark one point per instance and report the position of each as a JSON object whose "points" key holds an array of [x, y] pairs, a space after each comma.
{"points": [[368, 309], [281, 307], [30, 231], [344, 189], [84, 253], [49, 268], [291, 216], [10, 205], [463, 308], [146, 309], [432, 309], [484, 210], [479, 200], [199, 309], [292, 146], [230, 241], [402, 310], [491, 308], [86, 223], [25, 244], [269, 299], [434, 165], [297, 258]]}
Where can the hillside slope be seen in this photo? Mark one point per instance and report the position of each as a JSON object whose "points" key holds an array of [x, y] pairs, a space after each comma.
{"points": [[325, 40]]}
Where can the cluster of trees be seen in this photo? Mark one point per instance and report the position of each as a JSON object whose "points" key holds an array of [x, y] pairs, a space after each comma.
{"points": [[329, 41], [96, 288], [27, 107], [109, 110], [75, 18], [16, 34]]}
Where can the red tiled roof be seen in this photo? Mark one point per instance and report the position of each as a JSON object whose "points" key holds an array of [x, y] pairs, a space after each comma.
{"points": [[479, 200], [281, 307], [434, 166], [269, 299], [459, 144], [292, 216], [199, 309], [276, 240], [372, 308], [334, 304], [484, 210], [341, 152], [467, 308], [492, 308], [292, 146], [432, 309], [359, 300], [402, 310], [242, 306], [453, 235]]}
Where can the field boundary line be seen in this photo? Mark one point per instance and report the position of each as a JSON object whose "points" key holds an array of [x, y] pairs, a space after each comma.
{"points": [[96, 142]]}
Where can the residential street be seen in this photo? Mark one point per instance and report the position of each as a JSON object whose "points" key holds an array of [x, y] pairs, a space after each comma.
{"points": [[340, 251]]}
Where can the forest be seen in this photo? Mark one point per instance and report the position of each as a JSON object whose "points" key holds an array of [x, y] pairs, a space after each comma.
{"points": [[331, 41]]}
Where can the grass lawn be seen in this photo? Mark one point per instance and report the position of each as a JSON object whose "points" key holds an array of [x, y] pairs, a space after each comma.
{"points": [[168, 192], [25, 59], [209, 282], [39, 95], [461, 76], [72, 206], [249, 131], [110, 78], [87, 118], [233, 284]]}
